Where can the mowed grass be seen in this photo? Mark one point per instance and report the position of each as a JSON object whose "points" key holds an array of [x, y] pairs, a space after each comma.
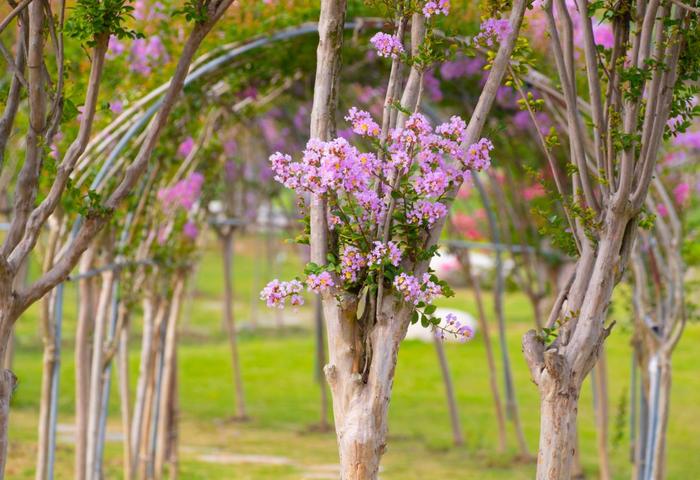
{"points": [[283, 395]]}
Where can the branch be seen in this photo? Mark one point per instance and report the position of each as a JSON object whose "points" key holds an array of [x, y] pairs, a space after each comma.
{"points": [[95, 222], [686, 6], [27, 182], [325, 104], [14, 95], [15, 11], [41, 213], [533, 350]]}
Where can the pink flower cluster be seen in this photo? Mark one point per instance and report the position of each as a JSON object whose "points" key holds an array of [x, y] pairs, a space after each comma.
{"points": [[185, 148], [384, 252], [146, 54], [326, 166], [439, 7], [115, 47], [351, 263], [426, 213], [493, 31], [275, 293], [362, 123], [184, 193], [478, 154], [453, 326], [190, 230], [387, 46], [144, 11], [319, 283], [681, 193], [416, 291]]}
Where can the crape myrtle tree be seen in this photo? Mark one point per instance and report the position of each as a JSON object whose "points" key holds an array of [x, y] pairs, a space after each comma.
{"points": [[375, 215], [634, 84], [38, 74], [661, 295]]}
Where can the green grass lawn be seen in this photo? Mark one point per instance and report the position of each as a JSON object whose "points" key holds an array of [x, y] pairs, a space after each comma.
{"points": [[283, 396]]}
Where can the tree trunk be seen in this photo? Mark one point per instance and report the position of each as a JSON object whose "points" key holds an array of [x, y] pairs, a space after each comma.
{"points": [[49, 361], [123, 361], [320, 362], [174, 414], [168, 376], [558, 411], [227, 245], [560, 368], [457, 437], [92, 467], [599, 381], [82, 364], [658, 470], [153, 310], [360, 403], [8, 381]]}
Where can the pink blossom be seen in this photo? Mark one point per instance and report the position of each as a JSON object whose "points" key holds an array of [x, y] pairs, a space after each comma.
{"points": [[185, 147], [441, 7], [114, 48], [690, 140], [416, 291], [319, 283], [661, 208], [431, 85], [146, 54], [467, 226], [478, 156], [116, 106], [276, 293], [362, 123], [454, 327], [351, 262], [603, 35], [190, 230], [230, 147], [681, 193], [384, 252], [462, 67], [184, 193], [426, 213], [493, 31], [54, 153], [387, 45], [533, 191]]}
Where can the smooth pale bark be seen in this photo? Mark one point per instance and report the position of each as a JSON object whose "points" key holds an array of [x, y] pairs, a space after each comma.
{"points": [[457, 437], [173, 415], [657, 469], [152, 311], [48, 364], [93, 468], [229, 320], [599, 379], [82, 363], [8, 382], [123, 366], [168, 375], [323, 424]]}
